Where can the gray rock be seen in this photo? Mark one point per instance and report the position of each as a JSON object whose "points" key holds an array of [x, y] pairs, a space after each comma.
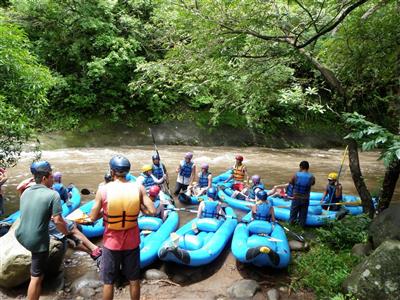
{"points": [[298, 246], [16, 260], [361, 249], [88, 281], [179, 278], [273, 294], [87, 293], [243, 289], [386, 226], [154, 274], [378, 275]]}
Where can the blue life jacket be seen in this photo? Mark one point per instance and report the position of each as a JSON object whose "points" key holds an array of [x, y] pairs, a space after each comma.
{"points": [[148, 181], [210, 209], [262, 212], [186, 169], [331, 196], [252, 192], [203, 179], [61, 190], [289, 190], [156, 205], [158, 171], [302, 184]]}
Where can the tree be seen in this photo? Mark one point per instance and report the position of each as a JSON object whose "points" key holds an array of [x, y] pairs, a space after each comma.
{"points": [[23, 88]]}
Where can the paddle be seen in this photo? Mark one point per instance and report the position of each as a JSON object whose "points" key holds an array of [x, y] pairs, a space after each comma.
{"points": [[337, 180], [86, 191], [299, 237], [158, 154], [351, 203]]}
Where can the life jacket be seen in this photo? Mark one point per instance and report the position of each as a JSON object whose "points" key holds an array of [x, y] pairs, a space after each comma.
{"points": [[252, 191], [186, 169], [157, 204], [331, 196], [123, 205], [262, 212], [238, 172], [203, 179], [61, 190], [289, 190], [148, 181], [302, 184], [158, 171], [210, 209]]}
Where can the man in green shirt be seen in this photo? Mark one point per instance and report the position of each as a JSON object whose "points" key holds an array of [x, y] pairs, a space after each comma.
{"points": [[38, 205]]}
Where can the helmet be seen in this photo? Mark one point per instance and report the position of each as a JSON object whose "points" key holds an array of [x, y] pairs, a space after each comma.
{"points": [[154, 191], [262, 195], [155, 156], [39, 167], [120, 164], [57, 176], [147, 168], [239, 157], [107, 177], [189, 155], [333, 176], [204, 166], [212, 192], [256, 179]]}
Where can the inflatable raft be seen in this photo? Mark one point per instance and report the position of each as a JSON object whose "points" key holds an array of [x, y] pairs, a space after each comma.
{"points": [[200, 241], [261, 243]]}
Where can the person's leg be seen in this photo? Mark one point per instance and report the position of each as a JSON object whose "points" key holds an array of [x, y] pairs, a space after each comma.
{"points": [[134, 289], [38, 266], [108, 291], [178, 188], [86, 242], [294, 211], [303, 212], [110, 263], [131, 270]]}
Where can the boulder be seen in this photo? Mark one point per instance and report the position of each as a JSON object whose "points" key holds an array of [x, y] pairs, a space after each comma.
{"points": [[361, 249], [378, 275], [386, 226], [243, 289], [87, 284], [273, 294], [16, 260], [154, 274]]}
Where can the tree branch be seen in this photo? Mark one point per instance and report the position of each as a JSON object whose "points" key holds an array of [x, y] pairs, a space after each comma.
{"points": [[340, 17], [373, 9]]}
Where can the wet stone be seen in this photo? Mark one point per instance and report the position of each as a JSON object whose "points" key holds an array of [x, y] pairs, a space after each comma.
{"points": [[273, 294], [298, 246], [243, 289], [154, 274], [361, 249]]}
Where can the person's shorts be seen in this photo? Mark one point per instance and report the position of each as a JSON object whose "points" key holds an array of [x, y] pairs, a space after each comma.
{"points": [[38, 265], [113, 260], [238, 186], [53, 231]]}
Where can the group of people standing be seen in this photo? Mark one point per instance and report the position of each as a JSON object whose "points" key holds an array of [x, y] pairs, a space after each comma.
{"points": [[120, 202]]}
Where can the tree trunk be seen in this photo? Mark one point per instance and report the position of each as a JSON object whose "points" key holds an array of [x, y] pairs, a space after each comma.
{"points": [[389, 184], [358, 179]]}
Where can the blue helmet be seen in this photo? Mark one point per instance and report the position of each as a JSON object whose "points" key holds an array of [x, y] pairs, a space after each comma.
{"points": [[120, 164], [40, 167], [212, 192], [262, 195]]}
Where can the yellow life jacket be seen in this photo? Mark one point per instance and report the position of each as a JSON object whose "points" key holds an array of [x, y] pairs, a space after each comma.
{"points": [[238, 172], [123, 205]]}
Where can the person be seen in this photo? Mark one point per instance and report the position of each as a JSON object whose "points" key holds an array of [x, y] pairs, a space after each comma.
{"points": [[3, 179], [159, 170], [283, 190], [147, 179], [204, 182], [256, 187], [121, 202], [186, 172], [332, 193], [210, 208], [263, 210], [302, 182], [37, 205], [239, 171], [59, 187], [107, 179], [154, 192], [24, 184]]}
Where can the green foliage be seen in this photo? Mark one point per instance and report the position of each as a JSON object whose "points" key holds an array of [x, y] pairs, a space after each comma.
{"points": [[322, 269], [372, 136], [344, 234], [23, 87]]}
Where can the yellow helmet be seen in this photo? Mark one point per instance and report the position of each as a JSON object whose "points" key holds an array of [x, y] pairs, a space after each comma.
{"points": [[146, 168], [332, 176]]}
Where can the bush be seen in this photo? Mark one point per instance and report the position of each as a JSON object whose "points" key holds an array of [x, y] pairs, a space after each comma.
{"points": [[346, 233], [322, 269]]}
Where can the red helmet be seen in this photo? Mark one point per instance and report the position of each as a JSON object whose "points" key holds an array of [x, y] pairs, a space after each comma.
{"points": [[154, 191], [239, 157]]}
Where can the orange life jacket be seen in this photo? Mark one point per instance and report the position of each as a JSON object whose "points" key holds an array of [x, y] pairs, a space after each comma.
{"points": [[238, 172]]}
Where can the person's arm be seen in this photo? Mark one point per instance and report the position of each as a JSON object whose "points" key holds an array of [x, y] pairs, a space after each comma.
{"points": [[146, 205], [281, 186], [209, 181], [96, 208], [161, 212], [165, 173], [220, 211], [157, 181], [247, 175], [3, 178], [253, 211], [272, 213], [292, 180], [338, 191], [313, 180], [193, 175], [200, 209], [324, 195], [56, 215]]}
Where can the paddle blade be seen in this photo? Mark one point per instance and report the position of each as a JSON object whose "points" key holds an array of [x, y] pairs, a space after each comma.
{"points": [[85, 192]]}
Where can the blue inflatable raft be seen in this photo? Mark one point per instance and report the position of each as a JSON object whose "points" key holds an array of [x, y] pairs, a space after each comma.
{"points": [[261, 243], [200, 241]]}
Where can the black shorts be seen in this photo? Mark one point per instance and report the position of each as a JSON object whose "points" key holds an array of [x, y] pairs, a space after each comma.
{"points": [[112, 261], [38, 265]]}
